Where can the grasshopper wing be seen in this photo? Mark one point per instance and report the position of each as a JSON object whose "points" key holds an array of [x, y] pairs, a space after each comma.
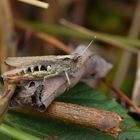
{"points": [[35, 60]]}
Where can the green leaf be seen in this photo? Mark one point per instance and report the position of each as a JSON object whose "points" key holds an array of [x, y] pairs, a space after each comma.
{"points": [[80, 94], [130, 134], [44, 128]]}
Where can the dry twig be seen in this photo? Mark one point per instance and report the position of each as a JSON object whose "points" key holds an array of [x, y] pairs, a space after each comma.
{"points": [[122, 96], [105, 121]]}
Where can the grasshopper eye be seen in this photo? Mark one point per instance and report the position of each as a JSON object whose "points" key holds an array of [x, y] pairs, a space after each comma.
{"points": [[76, 58], [49, 68]]}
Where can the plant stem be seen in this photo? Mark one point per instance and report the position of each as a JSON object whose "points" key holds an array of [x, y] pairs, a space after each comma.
{"points": [[16, 134]]}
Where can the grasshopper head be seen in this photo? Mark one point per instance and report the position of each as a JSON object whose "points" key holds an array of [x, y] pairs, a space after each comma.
{"points": [[77, 59]]}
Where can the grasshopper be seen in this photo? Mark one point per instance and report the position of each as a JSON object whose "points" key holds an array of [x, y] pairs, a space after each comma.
{"points": [[42, 67]]}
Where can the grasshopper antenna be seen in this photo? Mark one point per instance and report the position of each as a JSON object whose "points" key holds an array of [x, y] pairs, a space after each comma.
{"points": [[88, 45]]}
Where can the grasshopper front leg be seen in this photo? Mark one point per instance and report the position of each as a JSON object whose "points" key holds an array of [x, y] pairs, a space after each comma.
{"points": [[67, 76]]}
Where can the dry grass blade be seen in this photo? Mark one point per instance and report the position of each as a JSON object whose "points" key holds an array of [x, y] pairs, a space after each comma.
{"points": [[103, 37], [127, 56], [5, 97], [136, 95], [8, 42], [36, 3]]}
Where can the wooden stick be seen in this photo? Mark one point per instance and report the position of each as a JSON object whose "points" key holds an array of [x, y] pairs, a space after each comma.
{"points": [[105, 121], [121, 95], [36, 3]]}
